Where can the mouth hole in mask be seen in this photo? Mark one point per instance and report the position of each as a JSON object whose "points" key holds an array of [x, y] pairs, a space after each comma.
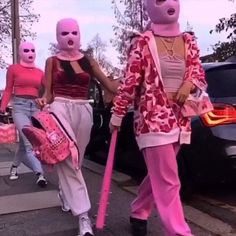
{"points": [[70, 42], [64, 33], [171, 11], [30, 57]]}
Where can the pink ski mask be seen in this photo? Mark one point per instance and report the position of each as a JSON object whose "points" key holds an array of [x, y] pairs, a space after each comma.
{"points": [[164, 15], [68, 38], [27, 54]]}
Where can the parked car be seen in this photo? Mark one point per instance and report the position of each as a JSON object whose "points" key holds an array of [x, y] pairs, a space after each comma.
{"points": [[211, 156]]}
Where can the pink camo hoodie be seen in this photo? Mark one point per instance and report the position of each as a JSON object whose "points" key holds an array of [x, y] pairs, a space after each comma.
{"points": [[154, 121]]}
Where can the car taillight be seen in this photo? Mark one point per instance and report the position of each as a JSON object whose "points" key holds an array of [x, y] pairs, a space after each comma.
{"points": [[221, 114]]}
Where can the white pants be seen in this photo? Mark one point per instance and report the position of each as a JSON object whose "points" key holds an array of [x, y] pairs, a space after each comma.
{"points": [[77, 117]]}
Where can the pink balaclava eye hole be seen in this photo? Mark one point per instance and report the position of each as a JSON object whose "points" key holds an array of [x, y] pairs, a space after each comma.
{"points": [[68, 34], [27, 53], [164, 15]]}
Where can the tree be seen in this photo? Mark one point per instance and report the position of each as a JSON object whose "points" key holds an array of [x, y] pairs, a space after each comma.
{"points": [[53, 48], [132, 17], [27, 18], [224, 50], [98, 48], [189, 28]]}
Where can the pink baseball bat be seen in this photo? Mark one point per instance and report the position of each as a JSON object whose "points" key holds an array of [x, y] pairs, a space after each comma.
{"points": [[106, 183]]}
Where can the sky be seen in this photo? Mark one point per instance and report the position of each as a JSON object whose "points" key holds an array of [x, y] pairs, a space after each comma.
{"points": [[97, 16]]}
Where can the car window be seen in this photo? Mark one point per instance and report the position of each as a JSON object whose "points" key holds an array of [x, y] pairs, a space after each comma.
{"points": [[221, 82]]}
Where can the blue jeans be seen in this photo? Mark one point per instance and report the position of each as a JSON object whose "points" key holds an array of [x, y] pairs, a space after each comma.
{"points": [[23, 109]]}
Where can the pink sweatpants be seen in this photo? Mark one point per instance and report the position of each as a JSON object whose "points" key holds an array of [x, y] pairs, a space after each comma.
{"points": [[161, 187]]}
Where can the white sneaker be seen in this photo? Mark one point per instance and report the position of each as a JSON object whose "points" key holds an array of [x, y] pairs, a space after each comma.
{"points": [[42, 182], [85, 226], [64, 205], [13, 173]]}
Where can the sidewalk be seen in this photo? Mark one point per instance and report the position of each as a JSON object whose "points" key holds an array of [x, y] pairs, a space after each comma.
{"points": [[27, 210]]}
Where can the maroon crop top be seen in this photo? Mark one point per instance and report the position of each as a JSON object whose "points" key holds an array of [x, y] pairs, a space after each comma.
{"points": [[77, 85]]}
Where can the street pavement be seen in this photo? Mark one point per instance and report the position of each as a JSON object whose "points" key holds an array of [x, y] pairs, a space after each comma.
{"points": [[28, 210]]}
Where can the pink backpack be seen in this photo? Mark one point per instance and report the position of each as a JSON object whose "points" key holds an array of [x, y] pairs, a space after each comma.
{"points": [[51, 142]]}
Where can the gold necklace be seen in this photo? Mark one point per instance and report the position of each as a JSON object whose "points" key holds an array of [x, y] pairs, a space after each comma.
{"points": [[170, 50]]}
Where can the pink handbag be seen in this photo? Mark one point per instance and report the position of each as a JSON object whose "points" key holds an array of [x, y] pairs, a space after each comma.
{"points": [[8, 133], [197, 104]]}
